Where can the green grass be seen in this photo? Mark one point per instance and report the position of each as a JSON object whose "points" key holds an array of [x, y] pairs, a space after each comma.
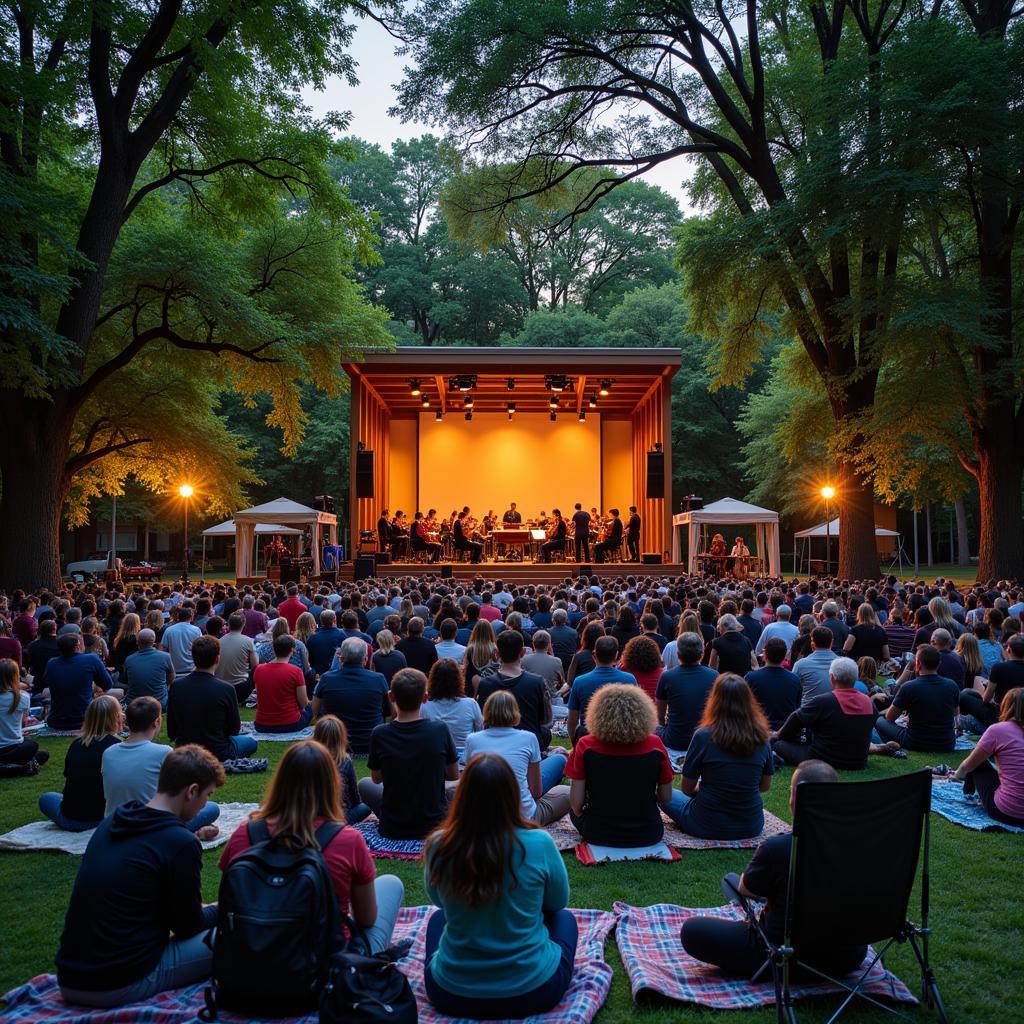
{"points": [[977, 912]]}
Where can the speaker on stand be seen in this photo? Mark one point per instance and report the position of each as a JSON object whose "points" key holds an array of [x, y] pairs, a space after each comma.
{"points": [[364, 474], [655, 474]]}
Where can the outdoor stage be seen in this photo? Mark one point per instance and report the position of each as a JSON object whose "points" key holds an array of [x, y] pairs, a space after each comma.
{"points": [[517, 573]]}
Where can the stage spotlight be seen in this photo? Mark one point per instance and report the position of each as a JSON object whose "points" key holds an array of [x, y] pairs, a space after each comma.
{"points": [[468, 402], [511, 409], [554, 402], [464, 382], [469, 416], [511, 383], [438, 417], [583, 416], [414, 387], [593, 402], [556, 382], [657, 446], [553, 417], [606, 387], [425, 402]]}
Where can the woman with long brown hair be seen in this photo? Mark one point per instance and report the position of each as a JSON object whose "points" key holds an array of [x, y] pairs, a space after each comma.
{"points": [[501, 888], [303, 795], [728, 766], [126, 642], [481, 653], [15, 749]]}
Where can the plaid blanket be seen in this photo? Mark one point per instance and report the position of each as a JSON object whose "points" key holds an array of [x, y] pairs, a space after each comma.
{"points": [[39, 1001], [948, 800], [388, 849], [249, 729], [657, 967], [589, 854]]}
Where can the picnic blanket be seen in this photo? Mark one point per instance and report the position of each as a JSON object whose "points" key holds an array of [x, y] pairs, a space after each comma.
{"points": [[658, 968], [41, 731], [249, 729], [388, 849], [590, 854], [39, 1001], [948, 800], [44, 835]]}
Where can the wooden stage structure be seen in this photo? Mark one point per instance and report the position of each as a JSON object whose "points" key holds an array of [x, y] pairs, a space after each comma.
{"points": [[515, 573]]}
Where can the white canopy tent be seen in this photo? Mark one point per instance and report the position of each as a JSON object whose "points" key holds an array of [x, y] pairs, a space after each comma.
{"points": [[823, 531], [729, 512], [287, 513], [227, 529]]}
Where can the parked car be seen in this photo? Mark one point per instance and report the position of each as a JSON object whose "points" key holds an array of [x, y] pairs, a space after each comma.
{"points": [[95, 565], [141, 571]]}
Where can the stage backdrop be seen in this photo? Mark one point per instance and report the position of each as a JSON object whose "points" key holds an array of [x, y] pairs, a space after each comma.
{"points": [[489, 462]]}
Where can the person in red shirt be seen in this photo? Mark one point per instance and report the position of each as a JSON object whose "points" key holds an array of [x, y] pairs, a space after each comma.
{"points": [[303, 794], [292, 608], [282, 702]]}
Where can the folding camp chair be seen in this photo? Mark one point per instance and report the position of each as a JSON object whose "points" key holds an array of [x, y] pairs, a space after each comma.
{"points": [[837, 827]]}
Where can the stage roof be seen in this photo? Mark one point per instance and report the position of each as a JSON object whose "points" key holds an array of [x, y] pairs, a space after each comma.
{"points": [[633, 372]]}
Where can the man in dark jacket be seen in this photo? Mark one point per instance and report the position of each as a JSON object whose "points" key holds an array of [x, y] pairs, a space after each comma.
{"points": [[139, 883]]}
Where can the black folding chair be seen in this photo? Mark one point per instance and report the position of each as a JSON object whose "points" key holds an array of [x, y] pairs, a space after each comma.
{"points": [[837, 828]]}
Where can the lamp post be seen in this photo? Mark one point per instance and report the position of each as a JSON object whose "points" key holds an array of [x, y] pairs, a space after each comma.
{"points": [[186, 491], [828, 493]]}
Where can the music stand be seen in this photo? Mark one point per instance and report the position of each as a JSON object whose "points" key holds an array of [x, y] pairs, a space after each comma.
{"points": [[899, 557]]}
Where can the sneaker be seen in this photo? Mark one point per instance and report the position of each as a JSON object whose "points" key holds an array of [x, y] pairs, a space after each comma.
{"points": [[940, 771]]}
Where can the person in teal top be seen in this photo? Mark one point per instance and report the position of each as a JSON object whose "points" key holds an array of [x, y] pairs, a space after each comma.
{"points": [[501, 944]]}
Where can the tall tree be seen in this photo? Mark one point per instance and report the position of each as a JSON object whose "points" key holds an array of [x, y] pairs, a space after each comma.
{"points": [[800, 117], [105, 106]]}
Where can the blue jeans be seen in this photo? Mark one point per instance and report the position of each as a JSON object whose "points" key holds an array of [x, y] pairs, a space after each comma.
{"points": [[676, 807], [357, 813], [390, 892], [207, 816], [50, 805], [242, 746], [562, 930], [184, 961], [303, 720], [552, 768]]}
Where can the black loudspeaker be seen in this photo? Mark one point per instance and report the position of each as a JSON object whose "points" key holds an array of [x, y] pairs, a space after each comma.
{"points": [[446, 571], [655, 475], [651, 558], [383, 557], [364, 475], [289, 571], [586, 570], [365, 567], [324, 503]]}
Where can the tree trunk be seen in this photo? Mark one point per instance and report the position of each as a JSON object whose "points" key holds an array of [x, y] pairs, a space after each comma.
{"points": [[1001, 546], [33, 454], [962, 540], [929, 560], [858, 553]]}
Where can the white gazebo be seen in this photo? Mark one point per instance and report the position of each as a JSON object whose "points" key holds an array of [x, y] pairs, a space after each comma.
{"points": [[729, 512], [825, 532], [227, 529], [285, 512]]}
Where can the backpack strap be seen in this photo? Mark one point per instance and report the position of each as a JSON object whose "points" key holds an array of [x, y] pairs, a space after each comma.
{"points": [[326, 832], [257, 830]]}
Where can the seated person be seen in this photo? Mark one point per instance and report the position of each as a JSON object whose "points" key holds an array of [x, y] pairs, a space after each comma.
{"points": [[73, 679], [1001, 793], [203, 709], [281, 701], [148, 672], [447, 702], [356, 695], [544, 801], [731, 651], [620, 771], [83, 805], [606, 652], [776, 689], [839, 724], [131, 769], [1004, 676], [682, 693], [420, 653], [728, 766], [529, 690], [410, 759], [733, 946], [930, 701], [14, 703], [385, 659], [331, 732], [502, 945], [139, 885], [304, 793], [544, 664], [641, 658]]}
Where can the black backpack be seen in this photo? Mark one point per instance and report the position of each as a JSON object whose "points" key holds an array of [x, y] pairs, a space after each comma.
{"points": [[278, 926], [368, 988]]}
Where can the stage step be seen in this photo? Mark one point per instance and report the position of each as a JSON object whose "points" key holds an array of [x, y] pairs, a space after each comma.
{"points": [[519, 573]]}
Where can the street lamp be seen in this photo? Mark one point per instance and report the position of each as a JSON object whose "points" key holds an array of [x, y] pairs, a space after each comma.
{"points": [[186, 491], [828, 493]]}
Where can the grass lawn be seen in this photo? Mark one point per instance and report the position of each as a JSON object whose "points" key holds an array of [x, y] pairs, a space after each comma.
{"points": [[977, 911]]}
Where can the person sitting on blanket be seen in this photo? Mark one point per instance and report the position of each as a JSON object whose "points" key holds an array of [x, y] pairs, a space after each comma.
{"points": [[529, 690], [1004, 676], [682, 692], [138, 885], [544, 801], [331, 732], [1001, 793], [777, 689], [620, 771], [203, 709], [606, 650], [14, 702], [410, 760], [839, 725], [728, 766], [83, 805], [131, 770], [733, 946], [282, 704], [447, 702], [356, 695], [73, 679], [305, 792], [931, 701], [501, 946]]}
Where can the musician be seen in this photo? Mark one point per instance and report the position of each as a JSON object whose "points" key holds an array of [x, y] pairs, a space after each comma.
{"points": [[421, 538], [581, 532], [512, 517], [383, 531], [274, 551], [739, 561], [462, 541], [490, 521], [399, 533], [612, 540], [543, 522], [633, 534], [557, 534]]}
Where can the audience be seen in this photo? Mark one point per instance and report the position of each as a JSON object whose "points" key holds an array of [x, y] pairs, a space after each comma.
{"points": [[543, 663], [14, 705], [502, 945], [814, 670], [148, 672], [528, 689], [777, 689], [641, 658], [358, 696], [281, 701], [385, 659], [1005, 676], [73, 679], [238, 659], [930, 702], [419, 652], [731, 651], [683, 692], [584, 687], [331, 732], [447, 702]]}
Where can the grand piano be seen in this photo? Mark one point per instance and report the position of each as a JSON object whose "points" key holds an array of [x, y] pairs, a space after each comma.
{"points": [[512, 539]]}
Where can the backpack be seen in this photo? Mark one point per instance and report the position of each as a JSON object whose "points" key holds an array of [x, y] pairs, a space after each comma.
{"points": [[368, 988], [278, 925]]}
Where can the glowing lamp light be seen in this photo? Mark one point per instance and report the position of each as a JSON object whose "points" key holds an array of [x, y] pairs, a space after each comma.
{"points": [[186, 490], [828, 493]]}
